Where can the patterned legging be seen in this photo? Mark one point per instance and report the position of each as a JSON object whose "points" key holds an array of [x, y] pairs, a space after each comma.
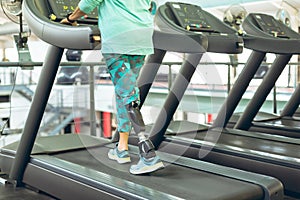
{"points": [[124, 71]]}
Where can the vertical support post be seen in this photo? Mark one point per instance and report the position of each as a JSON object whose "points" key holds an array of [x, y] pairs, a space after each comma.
{"points": [[174, 97], [36, 112], [292, 105], [228, 78], [209, 118], [245, 121], [170, 77], [274, 99], [106, 124], [148, 73], [92, 102], [77, 125], [238, 89]]}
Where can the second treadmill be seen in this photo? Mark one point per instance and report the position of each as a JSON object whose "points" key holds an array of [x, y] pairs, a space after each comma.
{"points": [[250, 151], [76, 166], [287, 44]]}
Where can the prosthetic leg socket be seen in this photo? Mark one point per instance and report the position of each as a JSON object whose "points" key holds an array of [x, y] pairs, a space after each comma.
{"points": [[146, 148]]}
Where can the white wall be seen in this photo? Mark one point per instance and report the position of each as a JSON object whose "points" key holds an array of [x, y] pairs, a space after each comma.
{"points": [[38, 49]]}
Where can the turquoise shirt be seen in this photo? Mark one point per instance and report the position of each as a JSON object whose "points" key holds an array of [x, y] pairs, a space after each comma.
{"points": [[126, 26]]}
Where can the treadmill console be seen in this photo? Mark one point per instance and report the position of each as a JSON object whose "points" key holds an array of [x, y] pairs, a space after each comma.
{"points": [[60, 8], [189, 17], [269, 25]]}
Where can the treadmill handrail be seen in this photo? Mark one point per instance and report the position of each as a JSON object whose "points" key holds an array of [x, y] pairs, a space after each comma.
{"points": [[258, 40], [43, 28], [179, 43], [272, 44]]}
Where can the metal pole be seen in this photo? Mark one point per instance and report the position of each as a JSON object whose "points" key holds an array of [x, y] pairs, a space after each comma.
{"points": [[170, 77], [148, 73], [228, 78], [35, 115], [292, 105], [238, 89], [174, 97], [92, 102], [274, 99], [245, 121]]}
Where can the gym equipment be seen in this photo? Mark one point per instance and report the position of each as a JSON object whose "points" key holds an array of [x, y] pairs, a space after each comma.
{"points": [[245, 150], [76, 166], [251, 119]]}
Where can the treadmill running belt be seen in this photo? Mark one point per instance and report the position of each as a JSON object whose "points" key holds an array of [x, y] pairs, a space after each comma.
{"points": [[289, 123], [174, 179], [270, 147]]}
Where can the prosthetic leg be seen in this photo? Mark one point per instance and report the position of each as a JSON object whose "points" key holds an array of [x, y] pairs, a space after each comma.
{"points": [[149, 162]]}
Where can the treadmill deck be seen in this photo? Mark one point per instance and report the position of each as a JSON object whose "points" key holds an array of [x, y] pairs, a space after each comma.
{"points": [[175, 180]]}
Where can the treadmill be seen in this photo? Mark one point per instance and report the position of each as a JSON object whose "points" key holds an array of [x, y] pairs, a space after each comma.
{"points": [[261, 153], [297, 112], [287, 42], [76, 166], [221, 39]]}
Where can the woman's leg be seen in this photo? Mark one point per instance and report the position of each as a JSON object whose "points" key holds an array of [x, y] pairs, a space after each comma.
{"points": [[123, 141], [124, 71]]}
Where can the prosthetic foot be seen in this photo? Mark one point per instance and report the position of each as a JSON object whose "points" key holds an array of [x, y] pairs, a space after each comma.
{"points": [[149, 161]]}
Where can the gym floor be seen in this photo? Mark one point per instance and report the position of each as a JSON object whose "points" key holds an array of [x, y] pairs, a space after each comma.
{"points": [[9, 192]]}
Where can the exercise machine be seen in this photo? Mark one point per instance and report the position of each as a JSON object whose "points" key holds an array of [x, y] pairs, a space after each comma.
{"points": [[288, 45], [260, 153], [76, 166]]}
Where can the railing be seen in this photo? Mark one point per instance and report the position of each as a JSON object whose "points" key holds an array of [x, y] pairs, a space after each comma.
{"points": [[9, 70], [26, 76]]}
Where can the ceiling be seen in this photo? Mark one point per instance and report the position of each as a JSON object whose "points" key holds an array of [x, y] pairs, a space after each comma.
{"points": [[214, 6], [250, 5]]}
